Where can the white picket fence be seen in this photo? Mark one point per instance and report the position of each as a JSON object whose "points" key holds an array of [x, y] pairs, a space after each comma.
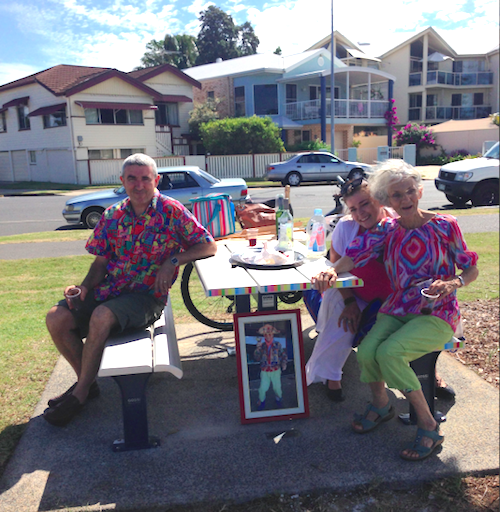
{"points": [[107, 172]]}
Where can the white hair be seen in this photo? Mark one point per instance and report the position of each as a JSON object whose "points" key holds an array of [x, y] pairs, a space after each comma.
{"points": [[142, 160], [386, 174]]}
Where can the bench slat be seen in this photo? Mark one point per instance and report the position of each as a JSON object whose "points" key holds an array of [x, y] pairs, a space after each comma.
{"points": [[166, 356], [127, 354]]}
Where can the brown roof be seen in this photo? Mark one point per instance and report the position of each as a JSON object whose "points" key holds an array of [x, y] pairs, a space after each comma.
{"points": [[144, 74]]}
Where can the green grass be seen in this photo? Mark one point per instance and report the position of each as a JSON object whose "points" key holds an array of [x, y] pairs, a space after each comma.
{"points": [[28, 288]]}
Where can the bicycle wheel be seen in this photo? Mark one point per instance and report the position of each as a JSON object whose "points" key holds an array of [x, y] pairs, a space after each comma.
{"points": [[216, 312]]}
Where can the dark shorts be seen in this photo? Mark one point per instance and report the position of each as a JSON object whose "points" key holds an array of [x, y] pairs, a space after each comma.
{"points": [[133, 311]]}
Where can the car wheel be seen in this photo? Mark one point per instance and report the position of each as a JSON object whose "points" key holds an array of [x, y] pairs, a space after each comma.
{"points": [[293, 179], [485, 194], [459, 202], [91, 217], [355, 173]]}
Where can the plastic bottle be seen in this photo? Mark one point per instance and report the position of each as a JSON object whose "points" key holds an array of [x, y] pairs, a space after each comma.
{"points": [[280, 201], [316, 230], [285, 224]]}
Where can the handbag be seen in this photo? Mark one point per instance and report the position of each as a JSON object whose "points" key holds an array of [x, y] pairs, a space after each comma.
{"points": [[255, 215], [216, 213]]}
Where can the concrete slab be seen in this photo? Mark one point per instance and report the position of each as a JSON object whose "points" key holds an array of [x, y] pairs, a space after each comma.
{"points": [[206, 454]]}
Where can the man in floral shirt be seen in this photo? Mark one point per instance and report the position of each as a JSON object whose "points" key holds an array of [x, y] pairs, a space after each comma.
{"points": [[138, 246]]}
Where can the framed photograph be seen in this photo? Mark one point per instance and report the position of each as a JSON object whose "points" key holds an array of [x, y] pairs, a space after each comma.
{"points": [[270, 359]]}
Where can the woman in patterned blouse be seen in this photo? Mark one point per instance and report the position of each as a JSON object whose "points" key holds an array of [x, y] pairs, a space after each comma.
{"points": [[421, 249]]}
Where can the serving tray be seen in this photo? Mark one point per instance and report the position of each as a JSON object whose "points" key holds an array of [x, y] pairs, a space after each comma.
{"points": [[245, 260]]}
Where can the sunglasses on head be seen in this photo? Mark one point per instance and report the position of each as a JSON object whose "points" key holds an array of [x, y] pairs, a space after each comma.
{"points": [[349, 187]]}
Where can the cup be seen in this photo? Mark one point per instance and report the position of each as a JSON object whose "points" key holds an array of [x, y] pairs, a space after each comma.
{"points": [[252, 236], [428, 301], [73, 295]]}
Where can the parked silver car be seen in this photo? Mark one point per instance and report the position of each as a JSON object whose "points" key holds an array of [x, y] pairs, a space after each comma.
{"points": [[181, 183], [314, 166]]}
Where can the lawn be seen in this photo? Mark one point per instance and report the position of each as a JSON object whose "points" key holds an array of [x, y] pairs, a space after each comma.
{"points": [[28, 288]]}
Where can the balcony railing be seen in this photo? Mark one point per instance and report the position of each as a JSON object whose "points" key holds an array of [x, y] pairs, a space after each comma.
{"points": [[436, 113], [449, 78], [368, 109]]}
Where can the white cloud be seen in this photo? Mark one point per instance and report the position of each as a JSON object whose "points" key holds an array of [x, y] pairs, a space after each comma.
{"points": [[10, 71]]}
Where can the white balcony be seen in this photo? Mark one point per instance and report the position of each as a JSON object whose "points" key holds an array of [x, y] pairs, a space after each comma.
{"points": [[344, 109]]}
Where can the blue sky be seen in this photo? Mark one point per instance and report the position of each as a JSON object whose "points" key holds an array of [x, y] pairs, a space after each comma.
{"points": [[38, 34]]}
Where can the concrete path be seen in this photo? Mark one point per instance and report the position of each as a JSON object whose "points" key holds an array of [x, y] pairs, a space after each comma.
{"points": [[206, 454]]}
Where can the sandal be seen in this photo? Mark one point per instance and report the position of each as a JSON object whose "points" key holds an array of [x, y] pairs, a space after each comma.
{"points": [[384, 414], [424, 451]]}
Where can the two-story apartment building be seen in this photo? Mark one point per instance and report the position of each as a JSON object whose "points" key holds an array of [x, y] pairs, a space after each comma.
{"points": [[295, 92], [53, 122]]}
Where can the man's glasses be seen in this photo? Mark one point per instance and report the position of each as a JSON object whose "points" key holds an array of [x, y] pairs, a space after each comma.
{"points": [[350, 187]]}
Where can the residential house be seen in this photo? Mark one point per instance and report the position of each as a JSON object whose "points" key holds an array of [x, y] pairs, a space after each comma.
{"points": [[53, 122], [295, 91], [433, 82]]}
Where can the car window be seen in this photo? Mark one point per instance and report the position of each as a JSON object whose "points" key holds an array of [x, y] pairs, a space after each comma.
{"points": [[303, 159], [493, 151], [180, 180], [325, 159], [208, 177], [309, 159]]}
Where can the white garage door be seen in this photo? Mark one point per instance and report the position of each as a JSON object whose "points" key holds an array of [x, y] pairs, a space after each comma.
{"points": [[61, 166], [21, 171], [5, 171]]}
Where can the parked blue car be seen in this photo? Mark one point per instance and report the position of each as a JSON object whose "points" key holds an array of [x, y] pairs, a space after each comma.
{"points": [[181, 183]]}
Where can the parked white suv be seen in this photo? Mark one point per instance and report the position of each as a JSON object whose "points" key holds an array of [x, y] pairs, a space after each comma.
{"points": [[473, 179]]}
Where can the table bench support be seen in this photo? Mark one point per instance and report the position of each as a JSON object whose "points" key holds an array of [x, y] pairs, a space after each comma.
{"points": [[134, 411]]}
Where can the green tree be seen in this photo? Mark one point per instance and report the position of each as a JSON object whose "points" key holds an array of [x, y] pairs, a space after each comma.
{"points": [[203, 113], [179, 50], [248, 41], [277, 51], [241, 135]]}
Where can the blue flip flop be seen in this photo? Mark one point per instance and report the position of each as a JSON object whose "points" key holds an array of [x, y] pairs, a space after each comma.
{"points": [[423, 451], [384, 414]]}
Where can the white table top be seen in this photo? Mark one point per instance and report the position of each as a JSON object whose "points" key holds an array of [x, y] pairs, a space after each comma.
{"points": [[218, 277]]}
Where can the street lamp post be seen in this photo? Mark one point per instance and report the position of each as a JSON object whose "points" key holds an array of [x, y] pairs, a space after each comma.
{"points": [[332, 92]]}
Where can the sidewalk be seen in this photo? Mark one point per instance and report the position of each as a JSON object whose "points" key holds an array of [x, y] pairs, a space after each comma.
{"points": [[207, 455]]}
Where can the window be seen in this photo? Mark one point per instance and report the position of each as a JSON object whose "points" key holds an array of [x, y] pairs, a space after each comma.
{"points": [[432, 66], [306, 136], [178, 180], [211, 95], [112, 116], [415, 100], [315, 92], [32, 157], [266, 99], [478, 98], [167, 114], [432, 100], [100, 154], [456, 100], [239, 102], [3, 122], [291, 93], [325, 159], [124, 153], [55, 119], [22, 116]]}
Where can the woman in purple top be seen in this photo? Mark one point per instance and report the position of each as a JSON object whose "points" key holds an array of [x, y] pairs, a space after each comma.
{"points": [[421, 249]]}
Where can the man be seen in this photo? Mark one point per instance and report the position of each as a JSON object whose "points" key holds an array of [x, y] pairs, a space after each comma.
{"points": [[273, 360], [138, 246]]}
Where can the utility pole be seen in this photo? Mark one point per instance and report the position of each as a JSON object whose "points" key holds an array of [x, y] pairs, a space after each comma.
{"points": [[332, 93]]}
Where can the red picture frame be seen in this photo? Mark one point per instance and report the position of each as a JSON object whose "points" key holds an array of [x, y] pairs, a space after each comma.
{"points": [[271, 367]]}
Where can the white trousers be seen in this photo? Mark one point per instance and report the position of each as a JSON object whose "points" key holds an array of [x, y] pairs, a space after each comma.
{"points": [[333, 345]]}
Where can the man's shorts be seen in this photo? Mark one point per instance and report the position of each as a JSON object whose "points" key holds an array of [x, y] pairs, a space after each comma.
{"points": [[133, 311]]}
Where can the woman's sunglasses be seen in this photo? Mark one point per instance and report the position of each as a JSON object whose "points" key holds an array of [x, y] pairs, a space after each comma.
{"points": [[350, 187]]}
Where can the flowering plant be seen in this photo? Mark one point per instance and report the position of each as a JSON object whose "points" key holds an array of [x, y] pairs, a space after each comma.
{"points": [[413, 133], [390, 116]]}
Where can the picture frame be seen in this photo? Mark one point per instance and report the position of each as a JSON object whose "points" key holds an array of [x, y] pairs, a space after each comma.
{"points": [[276, 390]]}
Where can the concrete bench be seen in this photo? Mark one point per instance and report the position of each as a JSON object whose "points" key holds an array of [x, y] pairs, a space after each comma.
{"points": [[130, 358], [425, 369]]}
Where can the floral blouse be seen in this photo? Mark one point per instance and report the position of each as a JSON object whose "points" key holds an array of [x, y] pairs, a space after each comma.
{"points": [[412, 256]]}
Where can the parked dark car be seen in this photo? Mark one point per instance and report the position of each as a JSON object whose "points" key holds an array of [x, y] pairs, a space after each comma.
{"points": [[314, 166], [181, 183]]}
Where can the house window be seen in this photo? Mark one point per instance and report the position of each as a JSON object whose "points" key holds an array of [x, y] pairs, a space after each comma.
{"points": [[266, 99], [124, 153], [211, 95], [55, 119], [100, 154], [22, 116], [291, 93], [415, 106], [239, 101], [3, 122], [167, 114], [432, 100], [306, 136], [112, 116], [456, 100], [32, 157], [432, 66], [478, 98], [315, 92]]}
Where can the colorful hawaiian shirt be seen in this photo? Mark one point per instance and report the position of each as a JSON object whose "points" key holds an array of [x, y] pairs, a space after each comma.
{"points": [[136, 246], [272, 357], [412, 256]]}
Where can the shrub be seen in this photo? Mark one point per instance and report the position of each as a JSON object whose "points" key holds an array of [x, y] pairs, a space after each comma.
{"points": [[241, 136], [202, 114], [312, 145], [413, 133]]}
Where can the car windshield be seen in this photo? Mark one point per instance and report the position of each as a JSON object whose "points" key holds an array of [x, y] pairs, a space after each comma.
{"points": [[493, 151], [208, 177], [119, 190]]}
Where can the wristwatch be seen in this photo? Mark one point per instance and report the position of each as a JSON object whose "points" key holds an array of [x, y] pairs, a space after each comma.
{"points": [[175, 261], [461, 279]]}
